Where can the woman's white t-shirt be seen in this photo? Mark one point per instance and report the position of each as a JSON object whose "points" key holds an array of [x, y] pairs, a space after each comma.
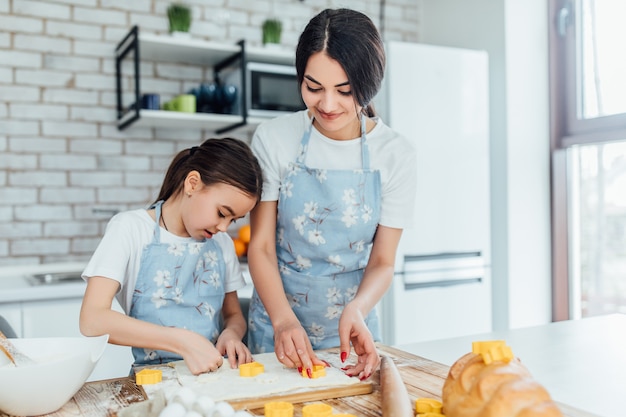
{"points": [[276, 143], [118, 255]]}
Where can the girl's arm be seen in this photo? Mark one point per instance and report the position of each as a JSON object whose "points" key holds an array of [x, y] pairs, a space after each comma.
{"points": [[230, 341], [377, 278], [291, 343], [97, 318]]}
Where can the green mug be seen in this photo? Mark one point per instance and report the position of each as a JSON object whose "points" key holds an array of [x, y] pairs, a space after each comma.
{"points": [[184, 103]]}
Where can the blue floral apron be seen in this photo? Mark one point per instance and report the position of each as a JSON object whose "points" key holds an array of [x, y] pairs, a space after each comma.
{"points": [[179, 285], [325, 228]]}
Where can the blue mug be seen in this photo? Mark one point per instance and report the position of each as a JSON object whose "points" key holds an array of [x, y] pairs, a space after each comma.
{"points": [[150, 102]]}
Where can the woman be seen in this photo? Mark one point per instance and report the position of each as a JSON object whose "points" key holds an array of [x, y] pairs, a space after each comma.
{"points": [[339, 188]]}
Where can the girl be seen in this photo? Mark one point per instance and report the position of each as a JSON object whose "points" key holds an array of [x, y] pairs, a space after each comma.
{"points": [[339, 190], [172, 267]]}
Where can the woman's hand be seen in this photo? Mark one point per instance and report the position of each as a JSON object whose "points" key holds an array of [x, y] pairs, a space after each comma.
{"points": [[293, 348], [352, 329], [198, 352], [230, 344]]}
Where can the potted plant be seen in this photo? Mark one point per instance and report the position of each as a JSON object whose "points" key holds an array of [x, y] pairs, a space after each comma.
{"points": [[179, 16], [272, 29]]}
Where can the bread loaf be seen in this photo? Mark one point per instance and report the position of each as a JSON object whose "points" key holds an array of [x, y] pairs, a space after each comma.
{"points": [[500, 389]]}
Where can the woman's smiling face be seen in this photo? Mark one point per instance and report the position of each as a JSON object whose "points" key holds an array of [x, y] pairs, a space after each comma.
{"points": [[328, 96]]}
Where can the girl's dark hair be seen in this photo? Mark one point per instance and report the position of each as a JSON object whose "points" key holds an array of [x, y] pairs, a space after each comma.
{"points": [[227, 160], [350, 38]]}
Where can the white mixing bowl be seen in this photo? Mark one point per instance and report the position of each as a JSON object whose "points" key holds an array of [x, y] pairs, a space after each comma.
{"points": [[62, 366]]}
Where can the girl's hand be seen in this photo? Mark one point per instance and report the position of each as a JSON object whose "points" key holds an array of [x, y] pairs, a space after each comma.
{"points": [[229, 344], [199, 353], [293, 348], [352, 329]]}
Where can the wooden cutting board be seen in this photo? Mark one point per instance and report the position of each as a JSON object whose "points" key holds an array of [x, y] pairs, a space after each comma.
{"points": [[319, 389], [305, 396]]}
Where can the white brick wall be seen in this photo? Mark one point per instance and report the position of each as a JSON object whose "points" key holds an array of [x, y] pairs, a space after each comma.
{"points": [[64, 165]]}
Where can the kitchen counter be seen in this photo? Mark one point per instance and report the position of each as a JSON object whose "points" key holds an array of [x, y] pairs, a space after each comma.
{"points": [[15, 288], [422, 377], [580, 362]]}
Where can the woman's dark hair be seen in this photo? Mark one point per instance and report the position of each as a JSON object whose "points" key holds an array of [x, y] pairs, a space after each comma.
{"points": [[227, 160], [350, 38]]}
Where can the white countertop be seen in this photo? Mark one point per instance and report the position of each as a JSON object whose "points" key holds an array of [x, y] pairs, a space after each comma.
{"points": [[15, 288], [582, 363]]}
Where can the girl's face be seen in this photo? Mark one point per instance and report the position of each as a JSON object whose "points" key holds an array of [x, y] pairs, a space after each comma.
{"points": [[328, 96], [211, 209]]}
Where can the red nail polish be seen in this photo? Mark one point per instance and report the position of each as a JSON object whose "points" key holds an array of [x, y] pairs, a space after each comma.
{"points": [[326, 363], [309, 373], [344, 355], [299, 369]]}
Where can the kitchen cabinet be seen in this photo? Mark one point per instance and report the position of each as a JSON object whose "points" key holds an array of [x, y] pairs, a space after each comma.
{"points": [[165, 48], [51, 318]]}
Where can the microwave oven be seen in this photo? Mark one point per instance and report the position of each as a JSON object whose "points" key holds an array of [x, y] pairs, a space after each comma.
{"points": [[271, 90]]}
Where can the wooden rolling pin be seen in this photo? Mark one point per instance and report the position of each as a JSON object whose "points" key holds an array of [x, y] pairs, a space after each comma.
{"points": [[395, 397]]}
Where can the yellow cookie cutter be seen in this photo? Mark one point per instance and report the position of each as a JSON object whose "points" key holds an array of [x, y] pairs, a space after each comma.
{"points": [[317, 410], [251, 369], [316, 372], [278, 409], [148, 376], [428, 405], [431, 415], [493, 350]]}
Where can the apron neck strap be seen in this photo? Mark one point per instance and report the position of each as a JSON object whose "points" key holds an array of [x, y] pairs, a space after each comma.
{"points": [[157, 217]]}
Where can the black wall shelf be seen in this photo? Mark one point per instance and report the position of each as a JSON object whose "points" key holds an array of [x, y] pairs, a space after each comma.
{"points": [[165, 48]]}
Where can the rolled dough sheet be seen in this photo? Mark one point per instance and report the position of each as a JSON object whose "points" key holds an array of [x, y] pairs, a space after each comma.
{"points": [[225, 384]]}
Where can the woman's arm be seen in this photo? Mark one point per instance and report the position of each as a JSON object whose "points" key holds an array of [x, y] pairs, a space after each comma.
{"points": [[292, 345], [97, 318], [377, 278]]}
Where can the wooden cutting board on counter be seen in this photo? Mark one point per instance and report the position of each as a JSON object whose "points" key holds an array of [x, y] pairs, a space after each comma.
{"points": [[275, 383], [304, 396], [422, 377]]}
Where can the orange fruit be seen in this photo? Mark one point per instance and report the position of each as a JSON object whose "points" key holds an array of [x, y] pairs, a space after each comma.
{"points": [[244, 233], [240, 247]]}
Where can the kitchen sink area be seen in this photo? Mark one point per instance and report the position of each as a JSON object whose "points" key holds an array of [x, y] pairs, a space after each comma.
{"points": [[22, 283], [54, 278]]}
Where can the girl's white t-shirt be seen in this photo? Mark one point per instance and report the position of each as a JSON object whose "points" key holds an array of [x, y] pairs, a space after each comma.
{"points": [[276, 143], [118, 255]]}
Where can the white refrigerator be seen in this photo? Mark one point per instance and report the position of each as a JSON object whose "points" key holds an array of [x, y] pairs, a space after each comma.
{"points": [[437, 97]]}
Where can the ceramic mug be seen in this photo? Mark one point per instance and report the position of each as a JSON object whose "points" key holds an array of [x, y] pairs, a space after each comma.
{"points": [[185, 103], [150, 102]]}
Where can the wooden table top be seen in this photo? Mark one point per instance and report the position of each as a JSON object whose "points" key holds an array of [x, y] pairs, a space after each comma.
{"points": [[422, 377]]}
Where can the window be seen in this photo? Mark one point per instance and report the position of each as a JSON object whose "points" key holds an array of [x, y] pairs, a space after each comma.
{"points": [[598, 221], [588, 87]]}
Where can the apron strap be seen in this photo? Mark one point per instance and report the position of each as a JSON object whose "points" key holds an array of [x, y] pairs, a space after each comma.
{"points": [[157, 217], [365, 153]]}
